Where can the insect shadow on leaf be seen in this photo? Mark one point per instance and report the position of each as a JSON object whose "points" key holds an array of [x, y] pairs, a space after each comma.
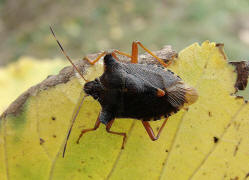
{"points": [[131, 90]]}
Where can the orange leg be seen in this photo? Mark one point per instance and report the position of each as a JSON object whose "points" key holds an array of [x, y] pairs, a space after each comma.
{"points": [[96, 126], [108, 127], [122, 53], [115, 56], [95, 60], [134, 54], [114, 52], [150, 130]]}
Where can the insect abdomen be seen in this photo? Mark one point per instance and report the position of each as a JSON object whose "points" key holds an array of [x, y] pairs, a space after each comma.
{"points": [[151, 107], [144, 107]]}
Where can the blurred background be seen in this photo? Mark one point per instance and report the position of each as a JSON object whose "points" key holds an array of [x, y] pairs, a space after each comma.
{"points": [[90, 26]]}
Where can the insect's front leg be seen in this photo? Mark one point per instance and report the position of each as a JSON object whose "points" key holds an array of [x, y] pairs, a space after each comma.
{"points": [[96, 126]]}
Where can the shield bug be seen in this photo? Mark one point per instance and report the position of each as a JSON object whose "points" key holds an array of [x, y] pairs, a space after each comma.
{"points": [[131, 90]]}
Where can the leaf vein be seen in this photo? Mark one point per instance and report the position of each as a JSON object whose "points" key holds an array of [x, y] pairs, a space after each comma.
{"points": [[120, 152], [216, 144]]}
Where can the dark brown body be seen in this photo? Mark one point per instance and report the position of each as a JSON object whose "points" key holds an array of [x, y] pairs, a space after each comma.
{"points": [[130, 91], [139, 91]]}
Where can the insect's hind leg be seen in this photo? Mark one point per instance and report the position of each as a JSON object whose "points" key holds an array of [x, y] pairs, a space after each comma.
{"points": [[96, 126], [108, 127], [150, 130], [134, 54]]}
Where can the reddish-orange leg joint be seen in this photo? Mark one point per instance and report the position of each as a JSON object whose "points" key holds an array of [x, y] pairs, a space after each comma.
{"points": [[150, 130], [108, 127], [96, 126]]}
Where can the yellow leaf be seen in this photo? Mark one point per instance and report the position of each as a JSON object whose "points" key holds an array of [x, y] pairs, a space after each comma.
{"points": [[209, 141], [26, 72]]}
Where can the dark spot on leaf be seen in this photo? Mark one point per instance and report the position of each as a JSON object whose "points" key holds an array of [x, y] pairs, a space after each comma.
{"points": [[216, 139], [54, 136], [209, 114], [157, 128], [247, 175], [90, 176], [167, 150], [227, 164], [41, 141], [88, 114], [82, 162], [53, 118], [177, 146], [235, 178]]}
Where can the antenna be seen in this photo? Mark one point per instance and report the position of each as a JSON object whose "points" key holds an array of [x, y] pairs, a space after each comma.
{"points": [[63, 51], [76, 112]]}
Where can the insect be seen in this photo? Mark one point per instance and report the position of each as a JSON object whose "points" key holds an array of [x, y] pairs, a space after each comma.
{"points": [[131, 90]]}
